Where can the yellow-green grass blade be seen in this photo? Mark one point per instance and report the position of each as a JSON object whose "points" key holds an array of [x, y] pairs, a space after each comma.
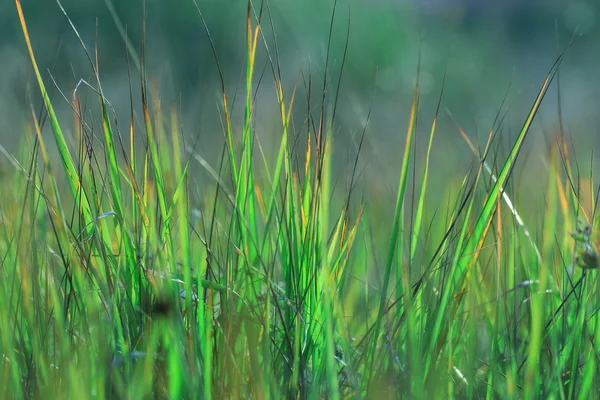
{"points": [[505, 197], [155, 163], [416, 227], [395, 238], [468, 254], [73, 178]]}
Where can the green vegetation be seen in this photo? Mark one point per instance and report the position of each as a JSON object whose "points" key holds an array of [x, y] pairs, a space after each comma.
{"points": [[124, 277]]}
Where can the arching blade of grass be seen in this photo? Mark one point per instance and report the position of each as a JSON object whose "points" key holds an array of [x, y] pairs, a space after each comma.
{"points": [[67, 161], [505, 197], [101, 242], [467, 256]]}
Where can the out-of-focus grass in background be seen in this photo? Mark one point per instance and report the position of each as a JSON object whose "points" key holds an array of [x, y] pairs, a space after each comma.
{"points": [[249, 245], [490, 46]]}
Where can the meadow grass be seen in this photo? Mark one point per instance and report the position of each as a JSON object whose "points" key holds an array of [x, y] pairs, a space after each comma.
{"points": [[121, 278]]}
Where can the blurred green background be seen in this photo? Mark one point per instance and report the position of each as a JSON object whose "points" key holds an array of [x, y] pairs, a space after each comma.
{"points": [[491, 49]]}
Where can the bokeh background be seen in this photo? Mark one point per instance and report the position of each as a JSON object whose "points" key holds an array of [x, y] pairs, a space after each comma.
{"points": [[492, 51]]}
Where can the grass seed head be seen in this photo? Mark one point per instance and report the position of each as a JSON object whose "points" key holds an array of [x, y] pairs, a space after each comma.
{"points": [[586, 246]]}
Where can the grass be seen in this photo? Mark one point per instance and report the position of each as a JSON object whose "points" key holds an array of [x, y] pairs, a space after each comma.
{"points": [[123, 278]]}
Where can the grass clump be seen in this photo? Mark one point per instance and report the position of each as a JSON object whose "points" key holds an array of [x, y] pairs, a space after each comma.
{"points": [[122, 278]]}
